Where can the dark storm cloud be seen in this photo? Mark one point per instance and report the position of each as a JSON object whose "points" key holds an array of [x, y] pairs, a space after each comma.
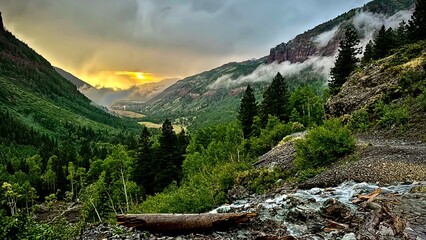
{"points": [[172, 37]]}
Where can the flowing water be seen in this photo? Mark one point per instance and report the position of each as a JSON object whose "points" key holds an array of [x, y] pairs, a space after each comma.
{"points": [[301, 212]]}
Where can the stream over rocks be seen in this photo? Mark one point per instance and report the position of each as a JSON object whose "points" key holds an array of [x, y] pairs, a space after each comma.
{"points": [[328, 213], [379, 212]]}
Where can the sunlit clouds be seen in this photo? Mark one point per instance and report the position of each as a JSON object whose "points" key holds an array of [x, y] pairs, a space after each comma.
{"points": [[120, 79], [121, 44]]}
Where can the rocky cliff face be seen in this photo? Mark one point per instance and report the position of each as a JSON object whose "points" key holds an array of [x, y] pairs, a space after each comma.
{"points": [[324, 39], [305, 45]]}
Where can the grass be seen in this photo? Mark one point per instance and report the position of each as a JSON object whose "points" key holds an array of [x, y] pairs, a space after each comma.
{"points": [[128, 114], [176, 127]]}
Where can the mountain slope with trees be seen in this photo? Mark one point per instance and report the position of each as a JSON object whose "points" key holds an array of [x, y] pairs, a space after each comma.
{"points": [[194, 102]]}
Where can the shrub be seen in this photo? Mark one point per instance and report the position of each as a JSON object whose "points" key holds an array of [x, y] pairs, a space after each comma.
{"points": [[359, 120], [324, 145], [260, 180], [421, 99], [309, 173], [392, 114]]}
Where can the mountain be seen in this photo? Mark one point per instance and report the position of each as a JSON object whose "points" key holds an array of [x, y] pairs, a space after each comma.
{"points": [[213, 96], [323, 40], [118, 97], [35, 95], [75, 80]]}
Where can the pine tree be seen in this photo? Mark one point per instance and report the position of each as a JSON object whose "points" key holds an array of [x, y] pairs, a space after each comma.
{"points": [[248, 109], [383, 43], [346, 60], [417, 24], [167, 164], [143, 173], [275, 100], [401, 37], [368, 53]]}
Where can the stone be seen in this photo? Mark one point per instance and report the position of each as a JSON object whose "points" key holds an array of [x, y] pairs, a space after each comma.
{"points": [[349, 236]]}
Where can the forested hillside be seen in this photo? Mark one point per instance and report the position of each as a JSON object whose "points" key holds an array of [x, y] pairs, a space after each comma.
{"points": [[67, 166]]}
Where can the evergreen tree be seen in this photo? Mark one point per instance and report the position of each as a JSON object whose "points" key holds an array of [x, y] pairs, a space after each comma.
{"points": [[346, 60], [401, 37], [167, 164], [417, 23], [275, 100], [248, 109], [383, 43], [368, 53], [144, 171]]}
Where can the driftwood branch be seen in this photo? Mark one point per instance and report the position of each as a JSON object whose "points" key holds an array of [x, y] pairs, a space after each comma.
{"points": [[368, 197], [183, 223]]}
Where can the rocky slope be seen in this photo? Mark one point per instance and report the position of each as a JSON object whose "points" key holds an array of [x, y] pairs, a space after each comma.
{"points": [[311, 43]]}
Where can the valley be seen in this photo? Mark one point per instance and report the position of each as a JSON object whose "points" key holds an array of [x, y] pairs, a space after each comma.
{"points": [[322, 138]]}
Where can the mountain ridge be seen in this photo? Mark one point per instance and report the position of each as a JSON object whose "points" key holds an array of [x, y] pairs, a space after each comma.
{"points": [[196, 92], [39, 97]]}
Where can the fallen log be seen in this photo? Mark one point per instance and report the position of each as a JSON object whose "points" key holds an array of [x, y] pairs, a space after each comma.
{"points": [[183, 223]]}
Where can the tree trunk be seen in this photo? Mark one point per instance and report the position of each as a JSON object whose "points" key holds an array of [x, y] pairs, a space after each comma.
{"points": [[183, 223]]}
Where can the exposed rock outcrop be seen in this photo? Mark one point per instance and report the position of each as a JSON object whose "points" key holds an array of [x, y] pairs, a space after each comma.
{"points": [[304, 46], [365, 87]]}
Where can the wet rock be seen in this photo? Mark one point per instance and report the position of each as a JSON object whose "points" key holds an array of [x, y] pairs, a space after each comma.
{"points": [[349, 236], [238, 192], [336, 211]]}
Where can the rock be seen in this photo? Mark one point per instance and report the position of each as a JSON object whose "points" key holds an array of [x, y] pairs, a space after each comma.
{"points": [[373, 206], [418, 189], [238, 192], [336, 211], [349, 236]]}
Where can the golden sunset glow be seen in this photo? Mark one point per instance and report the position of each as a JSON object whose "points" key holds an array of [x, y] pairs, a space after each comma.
{"points": [[147, 77], [120, 79]]}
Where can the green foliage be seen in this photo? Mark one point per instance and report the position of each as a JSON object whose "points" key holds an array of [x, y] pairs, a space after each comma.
{"points": [[261, 180], [394, 114], [360, 120], [308, 173], [307, 107], [346, 60], [275, 100], [368, 53], [25, 227], [421, 99], [268, 137], [417, 23], [214, 157], [383, 43], [324, 145], [247, 111]]}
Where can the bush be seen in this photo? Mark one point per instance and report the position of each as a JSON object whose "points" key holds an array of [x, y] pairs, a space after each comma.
{"points": [[260, 180], [324, 145], [421, 99], [392, 114], [309, 173], [360, 120]]}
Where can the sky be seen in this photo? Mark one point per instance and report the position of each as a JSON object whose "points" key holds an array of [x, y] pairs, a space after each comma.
{"points": [[123, 43]]}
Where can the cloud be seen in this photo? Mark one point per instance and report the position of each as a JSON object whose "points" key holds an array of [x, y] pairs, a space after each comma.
{"points": [[265, 72], [324, 38], [367, 25], [167, 37]]}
